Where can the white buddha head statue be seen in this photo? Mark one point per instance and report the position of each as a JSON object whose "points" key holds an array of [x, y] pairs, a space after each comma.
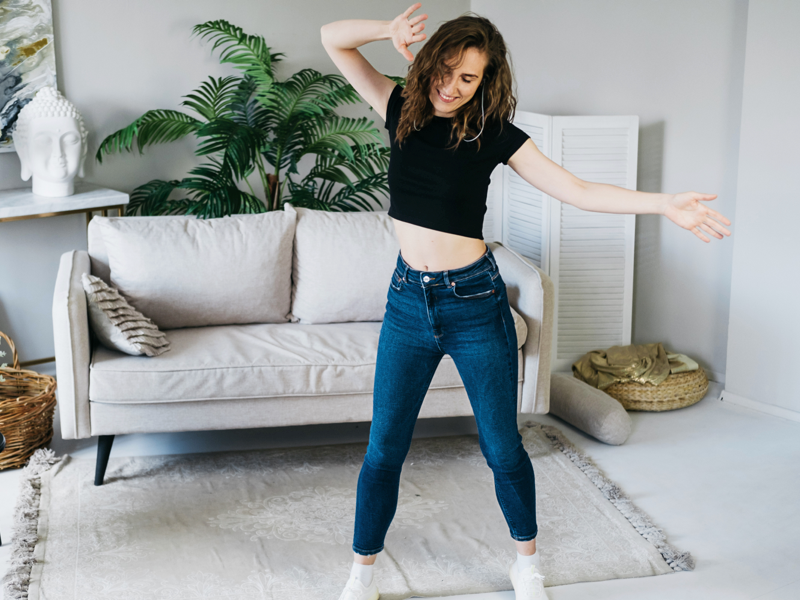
{"points": [[51, 142]]}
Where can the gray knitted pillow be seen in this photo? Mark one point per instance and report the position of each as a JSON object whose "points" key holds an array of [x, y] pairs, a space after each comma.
{"points": [[117, 324]]}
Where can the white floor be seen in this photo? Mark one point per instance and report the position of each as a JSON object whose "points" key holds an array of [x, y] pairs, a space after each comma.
{"points": [[723, 482]]}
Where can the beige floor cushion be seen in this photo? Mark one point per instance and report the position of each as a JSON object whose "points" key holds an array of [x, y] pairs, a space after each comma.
{"points": [[254, 361], [589, 409]]}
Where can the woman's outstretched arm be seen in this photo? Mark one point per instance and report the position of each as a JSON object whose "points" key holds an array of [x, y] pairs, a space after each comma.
{"points": [[341, 38], [554, 180]]}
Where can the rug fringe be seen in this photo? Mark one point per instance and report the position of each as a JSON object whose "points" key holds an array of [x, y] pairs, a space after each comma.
{"points": [[26, 523], [677, 560]]}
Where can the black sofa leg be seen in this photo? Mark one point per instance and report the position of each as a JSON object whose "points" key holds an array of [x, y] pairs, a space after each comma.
{"points": [[103, 452]]}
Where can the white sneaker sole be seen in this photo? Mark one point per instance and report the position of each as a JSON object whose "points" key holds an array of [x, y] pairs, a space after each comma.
{"points": [[374, 596]]}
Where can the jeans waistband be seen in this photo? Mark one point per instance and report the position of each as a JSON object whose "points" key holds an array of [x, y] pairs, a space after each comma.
{"points": [[429, 278]]}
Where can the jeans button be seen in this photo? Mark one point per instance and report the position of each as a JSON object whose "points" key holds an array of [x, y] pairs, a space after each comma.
{"points": [[426, 279]]}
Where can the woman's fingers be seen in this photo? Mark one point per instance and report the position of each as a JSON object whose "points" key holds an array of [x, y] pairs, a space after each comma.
{"points": [[696, 231], [718, 217], [411, 9], [406, 31], [714, 219], [718, 226], [711, 231], [405, 52]]}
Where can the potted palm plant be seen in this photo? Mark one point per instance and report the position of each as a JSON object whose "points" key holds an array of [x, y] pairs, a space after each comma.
{"points": [[253, 121]]}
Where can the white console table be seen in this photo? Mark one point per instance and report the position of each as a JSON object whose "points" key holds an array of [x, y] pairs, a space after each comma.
{"points": [[20, 203]]}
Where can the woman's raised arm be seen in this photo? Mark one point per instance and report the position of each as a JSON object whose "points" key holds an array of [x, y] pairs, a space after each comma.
{"points": [[341, 38], [684, 209]]}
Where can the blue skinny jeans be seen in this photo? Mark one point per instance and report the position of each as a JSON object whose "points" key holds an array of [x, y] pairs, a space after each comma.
{"points": [[464, 313]]}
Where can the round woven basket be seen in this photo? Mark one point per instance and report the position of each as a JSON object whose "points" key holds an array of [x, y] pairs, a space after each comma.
{"points": [[676, 391], [27, 404]]}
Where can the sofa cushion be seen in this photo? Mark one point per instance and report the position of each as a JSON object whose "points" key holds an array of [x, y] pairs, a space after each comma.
{"points": [[342, 265], [254, 361], [98, 256], [188, 272]]}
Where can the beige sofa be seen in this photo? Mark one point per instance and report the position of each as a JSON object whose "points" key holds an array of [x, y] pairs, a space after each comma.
{"points": [[312, 364]]}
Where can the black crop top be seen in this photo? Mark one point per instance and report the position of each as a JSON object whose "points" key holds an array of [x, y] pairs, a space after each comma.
{"points": [[438, 188]]}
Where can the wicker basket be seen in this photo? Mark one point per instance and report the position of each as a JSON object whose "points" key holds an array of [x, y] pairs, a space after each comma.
{"points": [[27, 404], [676, 391]]}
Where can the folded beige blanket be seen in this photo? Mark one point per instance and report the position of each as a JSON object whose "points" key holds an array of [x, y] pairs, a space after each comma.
{"points": [[642, 363]]}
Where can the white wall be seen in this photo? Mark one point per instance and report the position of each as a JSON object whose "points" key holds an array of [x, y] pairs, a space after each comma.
{"points": [[678, 65], [115, 61], [764, 329]]}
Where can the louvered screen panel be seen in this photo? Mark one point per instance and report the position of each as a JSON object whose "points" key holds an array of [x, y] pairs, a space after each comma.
{"points": [[493, 219], [592, 252], [525, 208]]}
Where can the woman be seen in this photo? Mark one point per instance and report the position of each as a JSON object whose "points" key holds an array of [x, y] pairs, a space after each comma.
{"points": [[449, 128]]}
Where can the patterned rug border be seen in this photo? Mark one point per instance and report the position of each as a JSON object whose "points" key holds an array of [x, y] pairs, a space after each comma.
{"points": [[26, 523], [26, 513], [676, 559]]}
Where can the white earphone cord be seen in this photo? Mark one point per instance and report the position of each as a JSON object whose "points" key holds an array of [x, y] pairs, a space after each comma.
{"points": [[483, 120]]}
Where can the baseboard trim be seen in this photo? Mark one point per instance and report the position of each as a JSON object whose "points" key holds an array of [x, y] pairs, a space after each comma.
{"points": [[775, 411], [714, 376]]}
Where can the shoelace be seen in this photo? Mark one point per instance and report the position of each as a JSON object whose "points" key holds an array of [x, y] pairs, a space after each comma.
{"points": [[529, 577]]}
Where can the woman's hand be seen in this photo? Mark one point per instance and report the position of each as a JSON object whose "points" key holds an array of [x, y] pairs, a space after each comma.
{"points": [[685, 210], [405, 31]]}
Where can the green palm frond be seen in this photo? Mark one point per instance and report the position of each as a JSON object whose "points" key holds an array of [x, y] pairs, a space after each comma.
{"points": [[241, 145], [247, 110], [307, 195], [152, 198], [373, 159], [309, 93], [344, 94], [248, 53], [215, 194], [153, 127], [356, 197], [332, 135], [286, 142], [214, 98]]}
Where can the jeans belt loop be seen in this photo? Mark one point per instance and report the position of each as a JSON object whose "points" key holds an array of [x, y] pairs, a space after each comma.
{"points": [[491, 258]]}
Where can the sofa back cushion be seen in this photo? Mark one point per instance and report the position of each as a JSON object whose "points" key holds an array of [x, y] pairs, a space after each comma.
{"points": [[98, 256], [342, 265], [188, 272]]}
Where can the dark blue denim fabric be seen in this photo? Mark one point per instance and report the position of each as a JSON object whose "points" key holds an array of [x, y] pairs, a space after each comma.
{"points": [[464, 313]]}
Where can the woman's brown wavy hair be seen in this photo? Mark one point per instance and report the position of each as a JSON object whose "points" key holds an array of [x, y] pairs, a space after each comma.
{"points": [[444, 51]]}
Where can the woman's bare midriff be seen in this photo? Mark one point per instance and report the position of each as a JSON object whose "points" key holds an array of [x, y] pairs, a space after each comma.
{"points": [[429, 250]]}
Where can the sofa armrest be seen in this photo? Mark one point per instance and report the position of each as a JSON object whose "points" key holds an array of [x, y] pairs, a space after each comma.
{"points": [[531, 293], [72, 339]]}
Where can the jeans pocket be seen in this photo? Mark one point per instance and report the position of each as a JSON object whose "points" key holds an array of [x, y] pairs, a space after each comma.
{"points": [[475, 287], [397, 282]]}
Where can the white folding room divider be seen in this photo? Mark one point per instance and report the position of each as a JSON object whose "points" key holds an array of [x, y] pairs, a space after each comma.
{"points": [[588, 255]]}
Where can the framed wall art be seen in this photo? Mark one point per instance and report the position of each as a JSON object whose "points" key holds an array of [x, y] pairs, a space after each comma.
{"points": [[27, 59]]}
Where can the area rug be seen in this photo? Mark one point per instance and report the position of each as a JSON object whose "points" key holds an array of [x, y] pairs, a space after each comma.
{"points": [[278, 525]]}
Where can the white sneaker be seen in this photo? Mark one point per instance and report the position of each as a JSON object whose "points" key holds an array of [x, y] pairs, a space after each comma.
{"points": [[355, 590], [527, 583]]}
